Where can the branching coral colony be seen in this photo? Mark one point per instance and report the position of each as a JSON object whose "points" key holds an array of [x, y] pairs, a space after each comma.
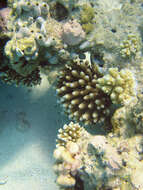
{"points": [[119, 85], [80, 97], [97, 46]]}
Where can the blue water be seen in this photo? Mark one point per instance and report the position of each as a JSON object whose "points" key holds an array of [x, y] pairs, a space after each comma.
{"points": [[28, 129]]}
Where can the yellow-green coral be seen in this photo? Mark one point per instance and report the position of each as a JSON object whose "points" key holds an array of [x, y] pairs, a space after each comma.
{"points": [[10, 2], [120, 85], [27, 46], [130, 46], [17, 48], [71, 132], [87, 13], [87, 16]]}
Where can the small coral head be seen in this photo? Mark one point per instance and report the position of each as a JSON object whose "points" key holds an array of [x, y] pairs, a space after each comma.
{"points": [[70, 133]]}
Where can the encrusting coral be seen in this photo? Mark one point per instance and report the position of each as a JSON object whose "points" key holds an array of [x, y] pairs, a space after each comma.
{"points": [[128, 120], [78, 93], [120, 85], [66, 166], [100, 162]]}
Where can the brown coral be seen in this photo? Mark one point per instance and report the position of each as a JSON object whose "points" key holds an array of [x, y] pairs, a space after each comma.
{"points": [[10, 76], [81, 99]]}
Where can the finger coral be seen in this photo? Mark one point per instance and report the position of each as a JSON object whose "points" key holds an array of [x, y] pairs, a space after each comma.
{"points": [[130, 46], [120, 85], [80, 97], [71, 132]]}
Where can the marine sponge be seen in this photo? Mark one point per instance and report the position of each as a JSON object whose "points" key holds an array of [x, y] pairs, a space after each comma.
{"points": [[80, 97], [71, 132], [120, 85], [17, 48]]}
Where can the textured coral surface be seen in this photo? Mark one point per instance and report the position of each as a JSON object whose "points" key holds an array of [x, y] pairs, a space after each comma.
{"points": [[79, 95]]}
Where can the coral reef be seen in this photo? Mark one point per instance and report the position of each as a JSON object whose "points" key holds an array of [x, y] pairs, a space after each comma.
{"points": [[94, 48], [115, 22], [111, 162], [38, 38], [31, 31], [80, 97], [120, 85], [113, 33]]}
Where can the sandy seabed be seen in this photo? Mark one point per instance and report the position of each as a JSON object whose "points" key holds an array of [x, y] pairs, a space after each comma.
{"points": [[28, 128]]}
